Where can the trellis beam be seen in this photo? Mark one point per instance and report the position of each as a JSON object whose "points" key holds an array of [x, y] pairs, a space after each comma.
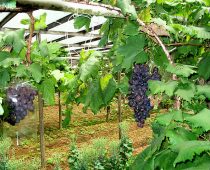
{"points": [[72, 7], [57, 32], [7, 18]]}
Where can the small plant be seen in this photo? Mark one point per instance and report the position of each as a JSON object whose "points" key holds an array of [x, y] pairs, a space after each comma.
{"points": [[100, 156], [11, 163]]}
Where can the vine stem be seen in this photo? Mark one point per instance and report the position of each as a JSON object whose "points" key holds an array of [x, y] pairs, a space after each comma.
{"points": [[32, 22]]}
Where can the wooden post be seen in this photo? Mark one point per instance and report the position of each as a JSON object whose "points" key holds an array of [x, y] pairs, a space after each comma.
{"points": [[119, 105], [59, 109], [107, 113], [41, 121], [41, 130]]}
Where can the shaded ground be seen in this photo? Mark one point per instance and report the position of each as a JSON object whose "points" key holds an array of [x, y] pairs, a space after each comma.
{"points": [[86, 127]]}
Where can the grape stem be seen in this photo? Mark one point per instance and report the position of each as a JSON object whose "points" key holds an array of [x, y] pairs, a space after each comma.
{"points": [[28, 53]]}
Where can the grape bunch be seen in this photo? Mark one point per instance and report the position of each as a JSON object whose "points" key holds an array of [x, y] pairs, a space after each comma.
{"points": [[137, 97], [20, 101]]}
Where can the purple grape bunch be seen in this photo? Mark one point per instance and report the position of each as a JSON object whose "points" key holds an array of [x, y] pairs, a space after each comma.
{"points": [[20, 101], [137, 97]]}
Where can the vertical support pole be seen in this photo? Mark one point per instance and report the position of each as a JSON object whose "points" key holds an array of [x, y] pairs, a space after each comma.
{"points": [[119, 105], [107, 113], [41, 130], [59, 109], [41, 121]]}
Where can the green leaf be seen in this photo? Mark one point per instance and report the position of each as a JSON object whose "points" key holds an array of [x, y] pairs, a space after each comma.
{"points": [[200, 120], [66, 121], [166, 118], [203, 90], [109, 91], [15, 39], [5, 78], [188, 149], [181, 70], [1, 108], [162, 163], [43, 47], [160, 58], [131, 28], [10, 62], [186, 92], [157, 87], [141, 58], [127, 8], [134, 45], [203, 66], [93, 98], [36, 71], [47, 88], [124, 85], [41, 22], [179, 135], [57, 74], [89, 68], [21, 71], [143, 161], [25, 21], [81, 21]]}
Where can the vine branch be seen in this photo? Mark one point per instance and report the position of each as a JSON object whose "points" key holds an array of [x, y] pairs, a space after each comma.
{"points": [[28, 53]]}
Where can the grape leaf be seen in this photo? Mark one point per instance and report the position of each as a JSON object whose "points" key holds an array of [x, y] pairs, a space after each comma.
{"points": [[188, 149], [10, 61], [8, 3], [131, 28], [205, 90], [66, 121], [141, 58], [15, 39], [181, 70], [89, 68], [160, 87], [21, 71], [5, 77], [93, 98], [203, 66], [143, 161], [167, 118], [124, 86], [57, 74], [127, 8], [160, 58], [201, 119], [104, 81], [81, 21], [41, 22], [47, 88], [36, 71], [109, 91], [134, 45], [179, 135], [186, 92]]}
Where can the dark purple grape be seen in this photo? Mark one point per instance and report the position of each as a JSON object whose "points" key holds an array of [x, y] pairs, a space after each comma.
{"points": [[20, 101], [137, 97]]}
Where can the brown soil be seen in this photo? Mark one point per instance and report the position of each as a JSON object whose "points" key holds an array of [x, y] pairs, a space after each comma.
{"points": [[86, 127]]}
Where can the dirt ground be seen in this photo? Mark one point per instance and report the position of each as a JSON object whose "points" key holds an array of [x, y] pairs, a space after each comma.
{"points": [[86, 127]]}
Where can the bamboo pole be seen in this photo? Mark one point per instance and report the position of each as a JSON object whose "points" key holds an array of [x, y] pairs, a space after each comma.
{"points": [[72, 7], [41, 122], [119, 102], [108, 108], [59, 109]]}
